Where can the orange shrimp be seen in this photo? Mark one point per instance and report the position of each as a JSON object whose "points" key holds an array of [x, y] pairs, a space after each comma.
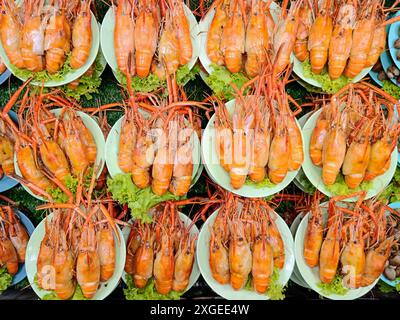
{"points": [[132, 246], [261, 144], [334, 150], [263, 261], [127, 142], [57, 38], [218, 259], [63, 264], [164, 264], [82, 35], [214, 35], [223, 136], [240, 256], [87, 138], [318, 136], [340, 46], [314, 236], [363, 35], [146, 31], [11, 33], [32, 41], [18, 234], [330, 251], [8, 254], [357, 158], [183, 163], [276, 242], [320, 37], [243, 122], [233, 37], [285, 37], [256, 43], [182, 28], [144, 258], [88, 261], [6, 154], [168, 47], [305, 21], [295, 142], [45, 259], [184, 263], [106, 252], [124, 42], [353, 258]]}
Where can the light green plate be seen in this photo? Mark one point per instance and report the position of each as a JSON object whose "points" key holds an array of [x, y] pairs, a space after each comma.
{"points": [[204, 25], [226, 291], [112, 147], [98, 136], [314, 173], [220, 176], [73, 75], [298, 70], [194, 232], [311, 275], [107, 37], [105, 288]]}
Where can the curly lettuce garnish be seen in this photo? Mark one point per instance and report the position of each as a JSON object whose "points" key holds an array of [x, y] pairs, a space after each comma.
{"points": [[340, 187], [275, 291], [328, 85], [152, 82], [335, 287], [78, 295], [220, 82], [391, 89], [147, 293], [5, 279], [44, 76], [265, 183], [138, 200], [88, 84]]}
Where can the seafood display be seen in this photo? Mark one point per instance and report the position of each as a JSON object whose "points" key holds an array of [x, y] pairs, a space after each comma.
{"points": [[78, 249], [13, 240], [39, 37], [7, 142], [245, 244], [260, 137], [151, 36], [244, 36], [355, 135], [50, 146], [156, 142], [163, 251], [343, 37], [353, 241]]}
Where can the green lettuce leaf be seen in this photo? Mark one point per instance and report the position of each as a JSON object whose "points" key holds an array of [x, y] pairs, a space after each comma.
{"points": [[5, 279], [44, 75], [391, 89], [220, 82], [340, 187], [78, 295], [328, 85], [147, 293], [335, 287], [265, 183], [139, 200], [88, 85]]}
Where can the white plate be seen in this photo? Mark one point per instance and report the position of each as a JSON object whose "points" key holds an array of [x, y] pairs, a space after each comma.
{"points": [[112, 147], [314, 173], [226, 291], [107, 37], [296, 276], [98, 137], [311, 275], [73, 75], [105, 288], [204, 25], [194, 231], [220, 176], [298, 70]]}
